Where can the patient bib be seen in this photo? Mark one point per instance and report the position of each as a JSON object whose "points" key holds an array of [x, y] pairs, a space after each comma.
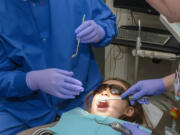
{"points": [[80, 122]]}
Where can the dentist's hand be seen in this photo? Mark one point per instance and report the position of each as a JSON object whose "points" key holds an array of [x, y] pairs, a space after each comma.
{"points": [[134, 128], [90, 32], [145, 88], [56, 82]]}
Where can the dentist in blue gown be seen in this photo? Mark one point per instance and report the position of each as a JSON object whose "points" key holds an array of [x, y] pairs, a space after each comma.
{"points": [[38, 76]]}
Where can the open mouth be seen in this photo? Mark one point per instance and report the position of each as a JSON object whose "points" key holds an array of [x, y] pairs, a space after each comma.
{"points": [[102, 105]]}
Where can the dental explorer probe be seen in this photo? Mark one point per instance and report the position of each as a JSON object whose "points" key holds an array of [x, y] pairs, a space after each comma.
{"points": [[130, 98], [78, 43]]}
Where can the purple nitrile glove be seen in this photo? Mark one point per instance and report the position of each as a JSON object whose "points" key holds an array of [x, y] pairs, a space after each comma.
{"points": [[90, 32], [134, 128], [145, 88], [56, 82]]}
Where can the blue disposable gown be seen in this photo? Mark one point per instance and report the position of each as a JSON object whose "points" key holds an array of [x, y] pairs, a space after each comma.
{"points": [[80, 122], [39, 34]]}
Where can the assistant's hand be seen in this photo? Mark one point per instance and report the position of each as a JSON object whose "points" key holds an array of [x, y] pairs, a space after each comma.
{"points": [[134, 128], [56, 82], [90, 32], [145, 88]]}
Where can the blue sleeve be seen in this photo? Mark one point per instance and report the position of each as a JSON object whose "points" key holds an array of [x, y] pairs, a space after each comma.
{"points": [[12, 81], [106, 19]]}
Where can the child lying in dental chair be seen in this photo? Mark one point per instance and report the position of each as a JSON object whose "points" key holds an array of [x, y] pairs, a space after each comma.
{"points": [[90, 122]]}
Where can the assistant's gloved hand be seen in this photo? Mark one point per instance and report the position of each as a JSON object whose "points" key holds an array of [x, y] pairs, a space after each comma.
{"points": [[90, 32], [145, 88], [56, 82], [134, 128]]}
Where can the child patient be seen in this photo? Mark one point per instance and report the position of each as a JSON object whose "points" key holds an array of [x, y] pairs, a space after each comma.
{"points": [[103, 111], [120, 109]]}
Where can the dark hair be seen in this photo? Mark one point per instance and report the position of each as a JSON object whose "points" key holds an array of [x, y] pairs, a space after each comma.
{"points": [[138, 115]]}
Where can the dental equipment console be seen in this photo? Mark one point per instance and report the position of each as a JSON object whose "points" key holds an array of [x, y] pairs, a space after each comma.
{"points": [[116, 126], [157, 38], [151, 38]]}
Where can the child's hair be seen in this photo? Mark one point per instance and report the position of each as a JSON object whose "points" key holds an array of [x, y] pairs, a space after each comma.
{"points": [[138, 115]]}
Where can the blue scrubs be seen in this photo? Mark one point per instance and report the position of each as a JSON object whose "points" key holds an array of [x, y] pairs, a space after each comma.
{"points": [[39, 34]]}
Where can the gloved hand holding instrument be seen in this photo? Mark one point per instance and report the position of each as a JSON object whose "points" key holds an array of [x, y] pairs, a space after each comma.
{"points": [[90, 32], [145, 88]]}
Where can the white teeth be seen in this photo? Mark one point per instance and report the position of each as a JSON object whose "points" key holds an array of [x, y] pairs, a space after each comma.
{"points": [[101, 101]]}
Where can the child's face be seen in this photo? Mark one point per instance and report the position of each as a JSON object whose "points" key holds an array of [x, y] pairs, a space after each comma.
{"points": [[112, 108]]}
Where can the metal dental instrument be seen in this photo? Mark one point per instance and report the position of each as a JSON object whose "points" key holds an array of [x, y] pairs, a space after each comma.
{"points": [[116, 126], [130, 98], [78, 43]]}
